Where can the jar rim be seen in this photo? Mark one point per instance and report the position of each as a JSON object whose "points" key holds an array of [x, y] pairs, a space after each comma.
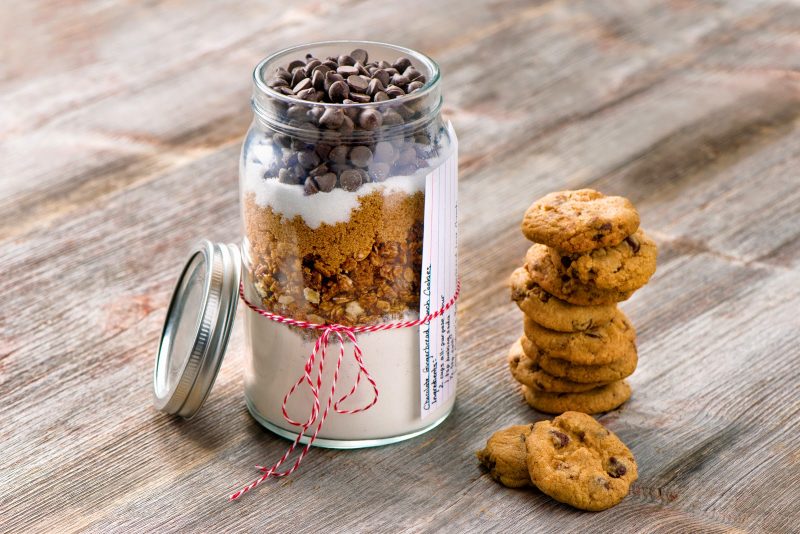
{"points": [[430, 64]]}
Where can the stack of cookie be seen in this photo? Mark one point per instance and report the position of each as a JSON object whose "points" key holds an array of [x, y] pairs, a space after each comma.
{"points": [[573, 459], [588, 254]]}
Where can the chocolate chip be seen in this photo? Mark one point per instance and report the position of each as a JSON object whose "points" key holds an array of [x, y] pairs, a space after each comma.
{"points": [[323, 69], [280, 72], [605, 227], [393, 91], [297, 76], [282, 140], [411, 73], [360, 98], [318, 170], [360, 55], [401, 64], [309, 94], [380, 96], [346, 70], [374, 86], [360, 156], [302, 85], [298, 172], [560, 440], [308, 159], [347, 126], [351, 111], [330, 78], [379, 171], [391, 117], [289, 158], [362, 70], [344, 59], [566, 261], [310, 186], [602, 482], [407, 156], [297, 113], [414, 86], [616, 468], [404, 170], [331, 64], [338, 154], [277, 82], [404, 111], [357, 83], [338, 91], [633, 243], [350, 180], [295, 64], [322, 150], [332, 118], [309, 68], [581, 435], [326, 182], [384, 152], [400, 80], [370, 119], [285, 176], [318, 80], [382, 76]]}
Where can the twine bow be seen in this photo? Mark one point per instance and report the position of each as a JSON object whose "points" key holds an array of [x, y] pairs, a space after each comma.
{"points": [[317, 357]]}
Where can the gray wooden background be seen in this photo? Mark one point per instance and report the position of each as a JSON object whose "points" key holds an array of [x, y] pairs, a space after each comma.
{"points": [[120, 125]]}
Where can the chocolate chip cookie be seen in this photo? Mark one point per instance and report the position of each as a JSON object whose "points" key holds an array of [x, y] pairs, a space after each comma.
{"points": [[579, 221], [552, 312], [623, 267], [577, 461], [556, 281], [527, 372], [505, 456], [610, 372], [597, 346], [599, 400]]}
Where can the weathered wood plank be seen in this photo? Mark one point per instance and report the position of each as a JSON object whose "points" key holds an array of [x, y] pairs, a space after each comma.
{"points": [[689, 108]]}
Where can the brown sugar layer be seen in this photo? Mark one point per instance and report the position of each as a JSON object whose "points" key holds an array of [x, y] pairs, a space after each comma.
{"points": [[359, 271]]}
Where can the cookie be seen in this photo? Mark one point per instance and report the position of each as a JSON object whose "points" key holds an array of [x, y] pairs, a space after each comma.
{"points": [[577, 461], [505, 456], [597, 346], [579, 221], [624, 267], [599, 400], [605, 374], [527, 372], [552, 312], [552, 278]]}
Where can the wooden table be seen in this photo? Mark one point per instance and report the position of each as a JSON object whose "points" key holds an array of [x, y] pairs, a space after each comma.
{"points": [[121, 125]]}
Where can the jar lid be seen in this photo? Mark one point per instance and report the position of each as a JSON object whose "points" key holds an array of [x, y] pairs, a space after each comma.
{"points": [[197, 328]]}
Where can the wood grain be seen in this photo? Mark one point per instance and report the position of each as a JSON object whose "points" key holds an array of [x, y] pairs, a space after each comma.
{"points": [[120, 126]]}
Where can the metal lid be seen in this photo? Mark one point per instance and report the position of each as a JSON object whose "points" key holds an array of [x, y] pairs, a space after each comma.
{"points": [[197, 328]]}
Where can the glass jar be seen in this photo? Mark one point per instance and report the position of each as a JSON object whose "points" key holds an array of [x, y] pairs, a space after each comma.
{"points": [[349, 214]]}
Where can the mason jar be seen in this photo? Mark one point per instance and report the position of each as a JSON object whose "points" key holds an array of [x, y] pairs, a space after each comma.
{"points": [[348, 189]]}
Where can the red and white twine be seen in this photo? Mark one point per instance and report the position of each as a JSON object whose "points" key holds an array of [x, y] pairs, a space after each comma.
{"points": [[339, 332]]}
